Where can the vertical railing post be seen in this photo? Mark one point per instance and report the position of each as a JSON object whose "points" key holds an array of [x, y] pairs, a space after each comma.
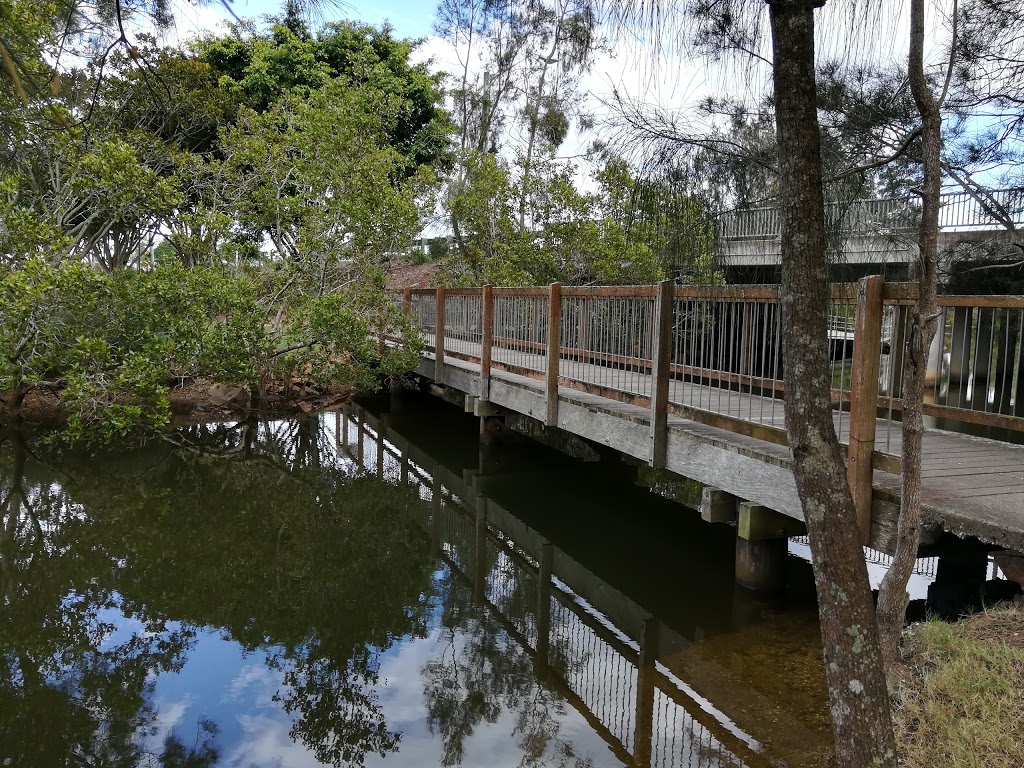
{"points": [[486, 340], [867, 349], [439, 337], [643, 735], [554, 352], [407, 303], [660, 359], [544, 605]]}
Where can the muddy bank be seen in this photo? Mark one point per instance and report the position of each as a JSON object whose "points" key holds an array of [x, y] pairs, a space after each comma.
{"points": [[197, 400]]}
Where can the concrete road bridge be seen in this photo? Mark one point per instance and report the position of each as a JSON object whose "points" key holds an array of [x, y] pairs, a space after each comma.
{"points": [[873, 232]]}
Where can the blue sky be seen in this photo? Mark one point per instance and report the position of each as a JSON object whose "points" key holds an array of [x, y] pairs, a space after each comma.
{"points": [[409, 17]]}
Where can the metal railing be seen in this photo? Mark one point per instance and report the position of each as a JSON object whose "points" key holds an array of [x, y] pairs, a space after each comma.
{"points": [[959, 212], [714, 355]]}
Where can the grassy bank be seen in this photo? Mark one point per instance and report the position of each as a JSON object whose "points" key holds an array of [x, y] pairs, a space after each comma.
{"points": [[963, 703]]}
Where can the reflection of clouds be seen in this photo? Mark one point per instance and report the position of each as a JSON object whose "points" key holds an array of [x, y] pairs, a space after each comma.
{"points": [[168, 716], [254, 677], [265, 742]]}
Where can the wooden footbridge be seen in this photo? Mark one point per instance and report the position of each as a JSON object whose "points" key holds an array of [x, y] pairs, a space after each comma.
{"points": [[690, 379]]}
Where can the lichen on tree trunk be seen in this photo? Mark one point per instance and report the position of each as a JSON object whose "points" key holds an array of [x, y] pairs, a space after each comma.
{"points": [[858, 694]]}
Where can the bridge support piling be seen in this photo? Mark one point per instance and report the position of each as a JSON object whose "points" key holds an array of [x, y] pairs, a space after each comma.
{"points": [[761, 565], [762, 547]]}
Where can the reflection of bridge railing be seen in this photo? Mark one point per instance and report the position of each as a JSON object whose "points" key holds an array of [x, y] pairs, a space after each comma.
{"points": [[639, 710], [960, 212]]}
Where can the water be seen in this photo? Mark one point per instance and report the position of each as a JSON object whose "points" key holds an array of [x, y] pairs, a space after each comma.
{"points": [[291, 594]]}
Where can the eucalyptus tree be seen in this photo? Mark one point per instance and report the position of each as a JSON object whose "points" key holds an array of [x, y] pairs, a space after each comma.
{"points": [[515, 91], [858, 693]]}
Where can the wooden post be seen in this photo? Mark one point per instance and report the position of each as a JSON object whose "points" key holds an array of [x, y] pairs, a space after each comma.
{"points": [[643, 735], [344, 426], [554, 352], [867, 347], [544, 605], [407, 303], [486, 340], [480, 559], [583, 343], [380, 450], [660, 359], [359, 446], [439, 337], [435, 513]]}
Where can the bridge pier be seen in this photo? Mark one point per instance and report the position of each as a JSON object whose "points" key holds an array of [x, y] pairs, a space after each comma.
{"points": [[762, 547]]}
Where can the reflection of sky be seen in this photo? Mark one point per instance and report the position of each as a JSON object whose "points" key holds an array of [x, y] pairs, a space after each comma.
{"points": [[221, 682]]}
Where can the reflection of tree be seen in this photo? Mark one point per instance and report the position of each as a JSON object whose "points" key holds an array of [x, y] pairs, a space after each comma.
{"points": [[247, 528], [481, 672], [67, 694]]}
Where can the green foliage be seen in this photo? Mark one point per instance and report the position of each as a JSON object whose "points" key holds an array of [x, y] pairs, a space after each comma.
{"points": [[112, 343], [570, 236], [260, 68]]}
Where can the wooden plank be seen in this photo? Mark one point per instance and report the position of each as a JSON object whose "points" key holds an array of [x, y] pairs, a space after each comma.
{"points": [[486, 340], [609, 292], [997, 302], [661, 349], [524, 292], [903, 293], [553, 353], [439, 336], [733, 292], [864, 395], [462, 291], [407, 303]]}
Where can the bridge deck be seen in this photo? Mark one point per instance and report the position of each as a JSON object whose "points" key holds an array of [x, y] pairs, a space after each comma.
{"points": [[971, 486]]}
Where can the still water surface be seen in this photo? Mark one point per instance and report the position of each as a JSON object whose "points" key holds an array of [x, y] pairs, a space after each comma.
{"points": [[380, 589]]}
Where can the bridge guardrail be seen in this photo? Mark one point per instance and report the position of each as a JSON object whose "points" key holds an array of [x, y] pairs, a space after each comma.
{"points": [[959, 212], [714, 354]]}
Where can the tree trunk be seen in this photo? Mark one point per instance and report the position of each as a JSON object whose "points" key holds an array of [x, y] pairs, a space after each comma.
{"points": [[892, 597], [858, 695]]}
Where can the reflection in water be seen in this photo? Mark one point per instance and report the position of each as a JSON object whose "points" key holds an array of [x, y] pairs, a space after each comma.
{"points": [[357, 589]]}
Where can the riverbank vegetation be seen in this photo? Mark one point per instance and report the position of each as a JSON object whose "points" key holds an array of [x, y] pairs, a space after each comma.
{"points": [[960, 704]]}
